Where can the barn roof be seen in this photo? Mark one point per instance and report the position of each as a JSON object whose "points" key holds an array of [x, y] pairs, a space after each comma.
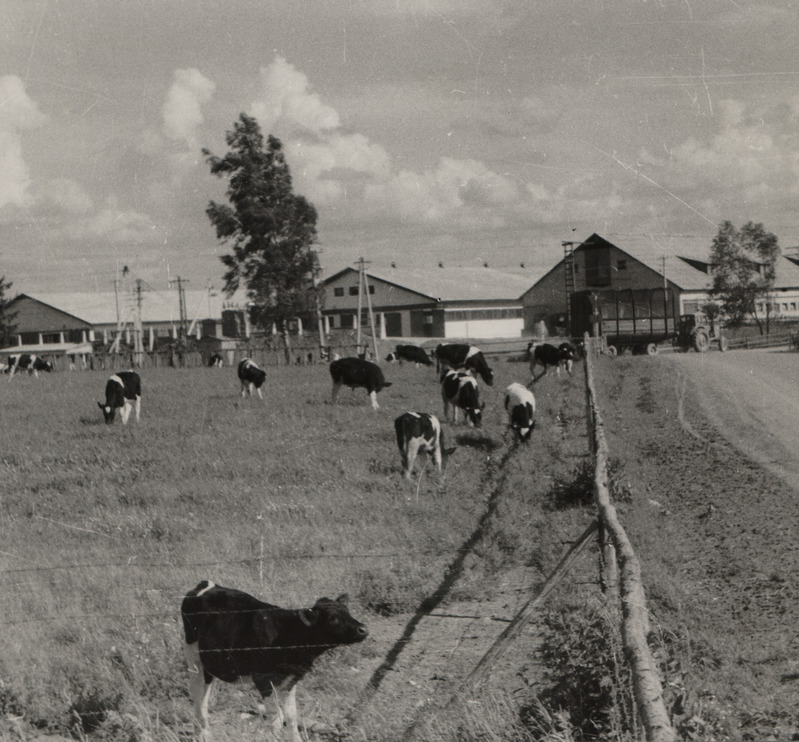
{"points": [[100, 307], [462, 283]]}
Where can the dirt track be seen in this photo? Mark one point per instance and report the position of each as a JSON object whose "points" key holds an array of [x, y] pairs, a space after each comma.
{"points": [[752, 398], [705, 449]]}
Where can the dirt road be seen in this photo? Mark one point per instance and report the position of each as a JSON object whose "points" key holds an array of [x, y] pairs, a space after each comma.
{"points": [[752, 398]]}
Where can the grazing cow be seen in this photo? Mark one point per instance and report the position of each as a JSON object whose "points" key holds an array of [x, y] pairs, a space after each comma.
{"points": [[412, 353], [520, 406], [28, 362], [216, 361], [459, 390], [231, 635], [251, 376], [419, 432], [547, 355], [460, 355], [123, 393], [357, 372]]}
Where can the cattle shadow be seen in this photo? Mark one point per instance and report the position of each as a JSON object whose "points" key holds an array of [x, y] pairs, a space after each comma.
{"points": [[90, 421], [478, 441], [452, 573]]}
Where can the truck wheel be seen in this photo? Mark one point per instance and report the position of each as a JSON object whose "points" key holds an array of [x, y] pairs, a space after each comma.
{"points": [[701, 341], [652, 349], [611, 351]]}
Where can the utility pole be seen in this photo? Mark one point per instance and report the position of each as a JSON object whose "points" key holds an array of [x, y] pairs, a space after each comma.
{"points": [[363, 288], [663, 263], [182, 306], [137, 331]]}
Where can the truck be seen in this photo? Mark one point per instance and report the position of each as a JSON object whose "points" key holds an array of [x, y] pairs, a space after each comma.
{"points": [[640, 320]]}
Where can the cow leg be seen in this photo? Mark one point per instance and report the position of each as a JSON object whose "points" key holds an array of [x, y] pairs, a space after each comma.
{"points": [[124, 413], [243, 388], [373, 397], [199, 687], [413, 450], [290, 714], [137, 404], [336, 388], [437, 456]]}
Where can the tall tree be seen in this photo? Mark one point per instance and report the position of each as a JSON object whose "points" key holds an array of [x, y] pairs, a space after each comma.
{"points": [[7, 327], [744, 270], [269, 228]]}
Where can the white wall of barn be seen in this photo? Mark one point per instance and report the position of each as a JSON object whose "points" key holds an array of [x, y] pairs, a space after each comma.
{"points": [[485, 328]]}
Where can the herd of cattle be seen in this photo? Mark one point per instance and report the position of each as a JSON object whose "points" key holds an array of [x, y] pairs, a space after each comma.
{"points": [[230, 635]]}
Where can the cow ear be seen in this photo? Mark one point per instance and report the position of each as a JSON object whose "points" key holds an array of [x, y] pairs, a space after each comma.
{"points": [[100, 405], [309, 616], [344, 599], [483, 406]]}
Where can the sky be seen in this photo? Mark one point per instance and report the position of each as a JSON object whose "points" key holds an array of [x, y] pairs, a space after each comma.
{"points": [[461, 131]]}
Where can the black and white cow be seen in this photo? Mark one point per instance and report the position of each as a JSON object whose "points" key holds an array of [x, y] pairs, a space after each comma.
{"points": [[459, 390], [357, 372], [251, 376], [520, 406], [216, 361], [412, 353], [123, 393], [231, 635], [461, 355], [419, 432], [28, 362], [547, 355]]}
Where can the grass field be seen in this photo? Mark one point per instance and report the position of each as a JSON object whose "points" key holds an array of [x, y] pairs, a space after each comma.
{"points": [[104, 528]]}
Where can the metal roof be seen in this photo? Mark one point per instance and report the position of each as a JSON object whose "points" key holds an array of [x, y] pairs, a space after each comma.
{"points": [[456, 283], [100, 308]]}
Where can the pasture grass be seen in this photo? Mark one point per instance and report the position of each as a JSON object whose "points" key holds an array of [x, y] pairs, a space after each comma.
{"points": [[104, 528]]}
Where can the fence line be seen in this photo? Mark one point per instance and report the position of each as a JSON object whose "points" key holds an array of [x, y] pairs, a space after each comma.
{"points": [[635, 618]]}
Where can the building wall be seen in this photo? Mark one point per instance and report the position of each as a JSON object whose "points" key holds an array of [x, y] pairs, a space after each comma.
{"points": [[33, 316], [486, 328], [381, 294], [546, 301]]}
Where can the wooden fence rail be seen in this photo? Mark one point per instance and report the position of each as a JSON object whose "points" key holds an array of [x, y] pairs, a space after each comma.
{"points": [[635, 618]]}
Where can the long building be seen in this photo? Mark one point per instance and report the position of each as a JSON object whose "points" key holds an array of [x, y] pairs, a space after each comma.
{"points": [[442, 302]]}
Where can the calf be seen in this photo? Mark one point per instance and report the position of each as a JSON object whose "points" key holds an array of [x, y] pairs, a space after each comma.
{"points": [[215, 361], [547, 355], [419, 432], [520, 406], [356, 372], [460, 355], [28, 362], [412, 353], [231, 635], [122, 392], [251, 376], [459, 390]]}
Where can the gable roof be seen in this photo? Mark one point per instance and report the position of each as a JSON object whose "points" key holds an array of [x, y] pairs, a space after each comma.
{"points": [[100, 307], [453, 284]]}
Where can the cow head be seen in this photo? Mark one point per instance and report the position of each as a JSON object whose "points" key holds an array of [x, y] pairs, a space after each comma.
{"points": [[333, 623], [475, 415], [108, 412]]}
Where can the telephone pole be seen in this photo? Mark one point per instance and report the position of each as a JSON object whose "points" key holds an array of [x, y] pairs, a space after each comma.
{"points": [[182, 306], [363, 288]]}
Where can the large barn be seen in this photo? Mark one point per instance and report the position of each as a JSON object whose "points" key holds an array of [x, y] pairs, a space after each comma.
{"points": [[626, 263], [442, 302]]}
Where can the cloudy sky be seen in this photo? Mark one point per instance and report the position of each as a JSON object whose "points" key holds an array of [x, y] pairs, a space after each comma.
{"points": [[422, 130]]}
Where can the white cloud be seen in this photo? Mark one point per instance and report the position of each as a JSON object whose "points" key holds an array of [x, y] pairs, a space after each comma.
{"points": [[286, 98], [182, 110], [17, 113], [66, 194], [114, 225]]}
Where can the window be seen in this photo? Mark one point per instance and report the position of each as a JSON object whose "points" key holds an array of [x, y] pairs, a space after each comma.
{"points": [[371, 289], [621, 265], [597, 267], [353, 290], [347, 321], [338, 291], [51, 337]]}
